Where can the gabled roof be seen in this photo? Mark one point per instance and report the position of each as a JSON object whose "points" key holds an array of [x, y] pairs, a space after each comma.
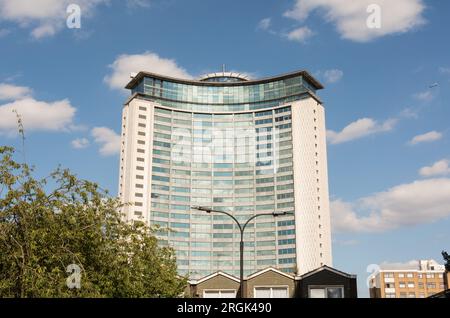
{"points": [[269, 269], [219, 273], [326, 268]]}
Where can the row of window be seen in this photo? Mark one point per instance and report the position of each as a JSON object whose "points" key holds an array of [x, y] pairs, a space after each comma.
{"points": [[159, 125], [225, 182], [420, 285], [411, 275], [221, 117], [230, 254], [188, 93], [219, 173], [204, 123]]}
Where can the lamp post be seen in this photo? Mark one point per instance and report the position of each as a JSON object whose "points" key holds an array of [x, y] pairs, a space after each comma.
{"points": [[241, 229]]}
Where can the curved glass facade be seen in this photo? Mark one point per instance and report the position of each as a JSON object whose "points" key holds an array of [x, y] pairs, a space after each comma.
{"points": [[228, 146], [223, 79], [239, 163], [220, 98]]}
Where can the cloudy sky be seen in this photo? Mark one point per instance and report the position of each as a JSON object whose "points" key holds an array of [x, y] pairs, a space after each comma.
{"points": [[386, 96]]}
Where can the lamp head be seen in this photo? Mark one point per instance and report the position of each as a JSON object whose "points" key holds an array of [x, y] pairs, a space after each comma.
{"points": [[275, 214], [202, 208]]}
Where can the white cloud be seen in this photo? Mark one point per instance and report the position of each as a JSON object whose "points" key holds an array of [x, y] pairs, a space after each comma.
{"points": [[426, 96], [11, 92], [43, 31], [428, 137], [410, 113], [359, 129], [43, 17], [37, 115], [265, 24], [444, 70], [80, 143], [126, 64], [333, 76], [138, 3], [419, 202], [414, 264], [350, 17], [108, 140], [440, 168], [300, 34]]}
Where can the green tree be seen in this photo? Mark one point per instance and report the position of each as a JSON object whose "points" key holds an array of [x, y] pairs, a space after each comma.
{"points": [[43, 231]]}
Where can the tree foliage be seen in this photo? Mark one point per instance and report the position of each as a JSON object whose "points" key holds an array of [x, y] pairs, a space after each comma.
{"points": [[43, 231]]}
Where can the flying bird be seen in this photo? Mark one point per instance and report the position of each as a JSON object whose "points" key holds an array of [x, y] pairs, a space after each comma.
{"points": [[434, 85]]}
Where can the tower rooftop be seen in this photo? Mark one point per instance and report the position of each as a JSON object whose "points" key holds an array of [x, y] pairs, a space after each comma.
{"points": [[224, 77]]}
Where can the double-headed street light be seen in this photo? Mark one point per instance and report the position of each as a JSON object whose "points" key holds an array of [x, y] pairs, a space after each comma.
{"points": [[242, 229]]}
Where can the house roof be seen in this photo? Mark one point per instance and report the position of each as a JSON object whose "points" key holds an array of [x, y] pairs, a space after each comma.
{"points": [[219, 273], [269, 269], [327, 268]]}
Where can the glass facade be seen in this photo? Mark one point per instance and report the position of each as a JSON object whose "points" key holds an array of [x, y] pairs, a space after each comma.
{"points": [[224, 98], [225, 145], [240, 163]]}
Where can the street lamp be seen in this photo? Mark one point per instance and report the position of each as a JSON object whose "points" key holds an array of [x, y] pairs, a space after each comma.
{"points": [[242, 229]]}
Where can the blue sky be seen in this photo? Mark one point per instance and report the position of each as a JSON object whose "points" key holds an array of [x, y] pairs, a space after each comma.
{"points": [[386, 96]]}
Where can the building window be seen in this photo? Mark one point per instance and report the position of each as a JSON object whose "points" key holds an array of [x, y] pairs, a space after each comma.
{"points": [[326, 292], [271, 292], [219, 293], [286, 261]]}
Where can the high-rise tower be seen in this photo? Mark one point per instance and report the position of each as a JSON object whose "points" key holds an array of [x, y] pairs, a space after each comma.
{"points": [[237, 145]]}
